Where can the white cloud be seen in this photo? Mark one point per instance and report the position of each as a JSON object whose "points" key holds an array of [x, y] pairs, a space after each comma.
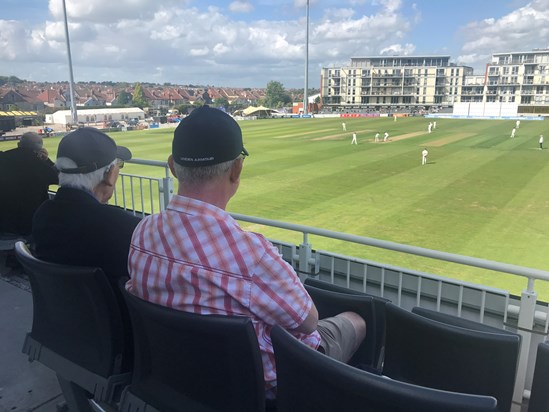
{"points": [[520, 30], [12, 39], [241, 7], [108, 11], [398, 49], [142, 40]]}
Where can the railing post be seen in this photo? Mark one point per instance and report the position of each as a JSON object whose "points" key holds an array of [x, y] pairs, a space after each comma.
{"points": [[166, 189], [525, 325], [305, 252]]}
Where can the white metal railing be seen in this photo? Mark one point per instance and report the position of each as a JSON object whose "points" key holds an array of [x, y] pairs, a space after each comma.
{"points": [[405, 287], [525, 310], [144, 194]]}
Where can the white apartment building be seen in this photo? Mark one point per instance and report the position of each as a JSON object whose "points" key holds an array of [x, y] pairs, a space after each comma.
{"points": [[518, 77], [375, 83]]}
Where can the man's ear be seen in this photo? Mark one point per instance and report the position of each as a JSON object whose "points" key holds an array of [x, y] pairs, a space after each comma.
{"points": [[110, 177], [170, 164], [236, 170]]}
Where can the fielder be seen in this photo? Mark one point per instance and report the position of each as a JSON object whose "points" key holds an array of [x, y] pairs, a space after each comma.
{"points": [[424, 155], [354, 139], [376, 138], [385, 136], [513, 132], [344, 126]]}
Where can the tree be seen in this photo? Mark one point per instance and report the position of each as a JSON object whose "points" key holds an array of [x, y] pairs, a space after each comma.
{"points": [[222, 102], [123, 98], [12, 81], [275, 95], [138, 99]]}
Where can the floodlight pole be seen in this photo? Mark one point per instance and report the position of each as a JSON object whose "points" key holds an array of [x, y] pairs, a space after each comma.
{"points": [[74, 114], [306, 89]]}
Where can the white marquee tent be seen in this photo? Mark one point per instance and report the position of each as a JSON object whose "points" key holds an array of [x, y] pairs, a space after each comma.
{"points": [[85, 116]]}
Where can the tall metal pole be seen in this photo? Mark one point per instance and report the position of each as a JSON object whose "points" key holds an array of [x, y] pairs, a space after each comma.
{"points": [[306, 89], [74, 114]]}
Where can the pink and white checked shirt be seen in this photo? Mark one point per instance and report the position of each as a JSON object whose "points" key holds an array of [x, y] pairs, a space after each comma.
{"points": [[195, 257]]}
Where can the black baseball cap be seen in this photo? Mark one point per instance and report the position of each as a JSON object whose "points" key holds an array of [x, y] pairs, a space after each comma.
{"points": [[207, 137], [90, 149]]}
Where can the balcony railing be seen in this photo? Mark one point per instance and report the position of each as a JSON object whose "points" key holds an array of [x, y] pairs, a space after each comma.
{"points": [[405, 287]]}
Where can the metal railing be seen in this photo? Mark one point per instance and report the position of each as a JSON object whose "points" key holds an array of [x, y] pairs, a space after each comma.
{"points": [[405, 287], [144, 194]]}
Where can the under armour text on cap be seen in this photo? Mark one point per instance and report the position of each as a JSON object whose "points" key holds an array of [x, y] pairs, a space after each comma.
{"points": [[207, 137], [90, 149]]}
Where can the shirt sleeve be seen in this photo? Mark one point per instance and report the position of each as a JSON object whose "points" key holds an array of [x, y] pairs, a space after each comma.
{"points": [[278, 296]]}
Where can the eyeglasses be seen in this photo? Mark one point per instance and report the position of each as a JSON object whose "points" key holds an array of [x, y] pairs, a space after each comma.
{"points": [[120, 163]]}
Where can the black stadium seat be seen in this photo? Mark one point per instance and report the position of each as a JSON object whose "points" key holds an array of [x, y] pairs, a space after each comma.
{"points": [[539, 396], [309, 381], [187, 361], [430, 353], [329, 303], [457, 321], [379, 309], [77, 330]]}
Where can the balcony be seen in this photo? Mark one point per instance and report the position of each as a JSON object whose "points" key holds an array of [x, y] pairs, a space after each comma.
{"points": [[403, 286], [407, 287]]}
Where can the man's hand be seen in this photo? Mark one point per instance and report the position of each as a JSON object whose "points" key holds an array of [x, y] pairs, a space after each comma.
{"points": [[42, 154]]}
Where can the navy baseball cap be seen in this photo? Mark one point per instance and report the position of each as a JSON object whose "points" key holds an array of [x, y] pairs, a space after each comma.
{"points": [[90, 149], [207, 137]]}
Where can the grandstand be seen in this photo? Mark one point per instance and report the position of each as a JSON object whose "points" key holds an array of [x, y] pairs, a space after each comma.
{"points": [[31, 386]]}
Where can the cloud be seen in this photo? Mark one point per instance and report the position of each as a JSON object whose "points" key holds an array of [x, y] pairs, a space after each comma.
{"points": [[108, 11], [398, 49], [523, 29], [186, 42], [241, 7]]}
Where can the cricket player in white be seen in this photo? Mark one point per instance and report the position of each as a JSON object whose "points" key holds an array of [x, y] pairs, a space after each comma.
{"points": [[424, 154]]}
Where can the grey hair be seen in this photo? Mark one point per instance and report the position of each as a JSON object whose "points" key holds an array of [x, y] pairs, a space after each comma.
{"points": [[31, 141], [86, 181], [193, 175]]}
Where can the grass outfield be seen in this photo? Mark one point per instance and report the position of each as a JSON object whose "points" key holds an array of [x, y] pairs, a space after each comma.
{"points": [[481, 194]]}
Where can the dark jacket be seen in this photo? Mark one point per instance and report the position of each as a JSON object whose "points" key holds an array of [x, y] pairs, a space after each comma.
{"points": [[74, 228], [24, 182]]}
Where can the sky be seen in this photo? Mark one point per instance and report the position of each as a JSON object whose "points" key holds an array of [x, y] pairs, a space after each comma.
{"points": [[246, 43]]}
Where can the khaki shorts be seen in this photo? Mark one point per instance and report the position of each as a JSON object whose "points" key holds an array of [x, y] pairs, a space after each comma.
{"points": [[338, 338]]}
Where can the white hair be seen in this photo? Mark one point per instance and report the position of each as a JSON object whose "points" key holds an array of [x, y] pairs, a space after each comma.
{"points": [[86, 181], [193, 175]]}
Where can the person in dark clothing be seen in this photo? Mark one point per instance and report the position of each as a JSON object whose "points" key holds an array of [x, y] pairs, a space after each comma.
{"points": [[26, 173], [77, 227]]}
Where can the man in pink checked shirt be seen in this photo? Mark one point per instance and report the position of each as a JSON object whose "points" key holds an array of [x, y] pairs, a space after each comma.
{"points": [[195, 257]]}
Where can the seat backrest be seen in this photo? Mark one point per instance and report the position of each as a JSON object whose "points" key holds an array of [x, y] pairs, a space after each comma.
{"points": [[309, 381], [75, 314], [379, 306], [329, 303], [210, 359], [457, 321], [429, 353], [539, 395]]}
